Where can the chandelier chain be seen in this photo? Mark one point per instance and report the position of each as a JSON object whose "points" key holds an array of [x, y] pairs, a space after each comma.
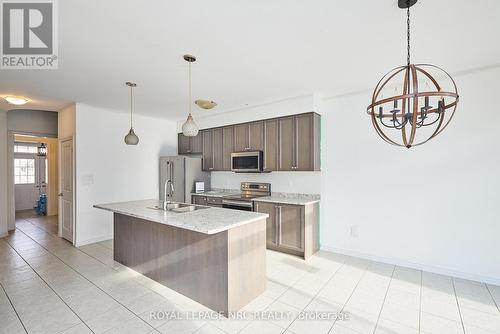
{"points": [[408, 30]]}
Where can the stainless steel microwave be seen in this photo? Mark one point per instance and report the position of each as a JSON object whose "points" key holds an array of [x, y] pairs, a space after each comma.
{"points": [[247, 162]]}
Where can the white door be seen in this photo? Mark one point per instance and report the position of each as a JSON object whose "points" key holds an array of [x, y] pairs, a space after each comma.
{"points": [[66, 190], [29, 176]]}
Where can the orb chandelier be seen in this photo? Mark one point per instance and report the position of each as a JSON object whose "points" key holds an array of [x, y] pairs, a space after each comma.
{"points": [[420, 100], [189, 128]]}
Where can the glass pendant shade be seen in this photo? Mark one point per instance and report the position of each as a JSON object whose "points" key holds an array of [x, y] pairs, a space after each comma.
{"points": [[189, 128], [131, 138]]}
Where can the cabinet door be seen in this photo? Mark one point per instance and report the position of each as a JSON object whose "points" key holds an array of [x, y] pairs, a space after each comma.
{"points": [[207, 154], [199, 200], [271, 145], [271, 227], [196, 144], [286, 159], [290, 226], [304, 142], [217, 143], [227, 146], [183, 144], [256, 136], [240, 137]]}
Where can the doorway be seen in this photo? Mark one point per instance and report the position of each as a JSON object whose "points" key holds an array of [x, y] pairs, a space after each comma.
{"points": [[35, 181]]}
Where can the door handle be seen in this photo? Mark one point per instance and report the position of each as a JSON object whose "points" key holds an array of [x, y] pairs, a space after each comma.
{"points": [[276, 230], [279, 225], [60, 195]]}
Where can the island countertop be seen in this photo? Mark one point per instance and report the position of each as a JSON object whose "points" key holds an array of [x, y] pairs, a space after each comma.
{"points": [[209, 221]]}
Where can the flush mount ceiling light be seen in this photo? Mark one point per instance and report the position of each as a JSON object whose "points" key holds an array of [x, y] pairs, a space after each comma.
{"points": [[131, 138], [419, 97], [16, 100], [189, 128], [205, 104]]}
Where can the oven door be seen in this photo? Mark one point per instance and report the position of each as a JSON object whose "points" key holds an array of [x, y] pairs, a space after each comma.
{"points": [[247, 162], [237, 205]]}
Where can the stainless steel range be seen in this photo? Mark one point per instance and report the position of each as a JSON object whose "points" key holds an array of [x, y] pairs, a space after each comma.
{"points": [[249, 191]]}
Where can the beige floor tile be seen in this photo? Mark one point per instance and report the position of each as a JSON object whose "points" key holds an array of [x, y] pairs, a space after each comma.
{"points": [[405, 316], [433, 324], [483, 320], [359, 320], [133, 326], [442, 309], [262, 327], [390, 327], [285, 314], [78, 329], [181, 326], [112, 318]]}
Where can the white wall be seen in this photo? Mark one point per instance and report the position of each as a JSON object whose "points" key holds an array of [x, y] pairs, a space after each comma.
{"points": [[294, 182], [32, 122], [107, 170], [435, 207], [3, 174], [66, 121]]}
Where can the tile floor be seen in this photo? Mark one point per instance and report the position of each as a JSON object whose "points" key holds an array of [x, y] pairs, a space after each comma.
{"points": [[48, 286]]}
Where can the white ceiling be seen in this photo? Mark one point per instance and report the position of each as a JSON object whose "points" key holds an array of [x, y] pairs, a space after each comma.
{"points": [[249, 52]]}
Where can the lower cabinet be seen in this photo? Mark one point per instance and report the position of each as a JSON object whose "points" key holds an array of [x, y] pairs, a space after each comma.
{"points": [[206, 200], [198, 200], [291, 229]]}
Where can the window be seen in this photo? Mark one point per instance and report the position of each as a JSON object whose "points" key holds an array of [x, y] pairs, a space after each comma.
{"points": [[25, 149], [24, 171]]}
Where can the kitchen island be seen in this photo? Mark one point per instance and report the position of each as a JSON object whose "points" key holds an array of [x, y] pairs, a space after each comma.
{"points": [[214, 256]]}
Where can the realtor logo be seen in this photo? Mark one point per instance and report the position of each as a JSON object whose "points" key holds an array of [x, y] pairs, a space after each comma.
{"points": [[29, 34]]}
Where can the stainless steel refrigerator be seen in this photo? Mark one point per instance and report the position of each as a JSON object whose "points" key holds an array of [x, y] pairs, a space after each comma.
{"points": [[183, 172]]}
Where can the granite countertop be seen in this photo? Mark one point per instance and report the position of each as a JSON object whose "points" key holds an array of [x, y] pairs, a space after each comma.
{"points": [[287, 198], [209, 221]]}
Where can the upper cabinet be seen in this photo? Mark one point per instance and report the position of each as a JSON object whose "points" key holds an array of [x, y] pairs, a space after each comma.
{"points": [[299, 143], [290, 143], [189, 145], [249, 137]]}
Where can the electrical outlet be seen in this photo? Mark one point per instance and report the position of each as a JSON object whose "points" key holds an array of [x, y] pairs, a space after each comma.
{"points": [[354, 231]]}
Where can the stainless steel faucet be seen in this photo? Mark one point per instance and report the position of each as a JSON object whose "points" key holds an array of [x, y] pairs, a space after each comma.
{"points": [[171, 193]]}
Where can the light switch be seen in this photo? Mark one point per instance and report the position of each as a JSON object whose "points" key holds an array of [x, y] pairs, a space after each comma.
{"points": [[354, 231]]}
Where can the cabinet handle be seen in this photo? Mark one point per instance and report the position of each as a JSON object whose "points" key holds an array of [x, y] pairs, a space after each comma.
{"points": [[279, 225], [276, 230]]}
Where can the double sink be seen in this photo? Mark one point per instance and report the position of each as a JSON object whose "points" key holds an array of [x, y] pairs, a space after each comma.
{"points": [[180, 207]]}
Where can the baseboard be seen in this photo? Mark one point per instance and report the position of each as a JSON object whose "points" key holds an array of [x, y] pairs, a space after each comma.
{"points": [[418, 266], [92, 240], [3, 235]]}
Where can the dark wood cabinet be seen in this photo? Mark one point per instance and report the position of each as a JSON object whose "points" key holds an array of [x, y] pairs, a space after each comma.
{"points": [[290, 228], [271, 227], [286, 144], [290, 143], [271, 136], [207, 155], [299, 143], [249, 137], [240, 137], [227, 146], [199, 200], [189, 145], [217, 148], [206, 200], [256, 136]]}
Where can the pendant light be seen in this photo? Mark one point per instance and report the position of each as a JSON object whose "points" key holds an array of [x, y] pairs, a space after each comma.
{"points": [[421, 97], [42, 150], [189, 128], [131, 138]]}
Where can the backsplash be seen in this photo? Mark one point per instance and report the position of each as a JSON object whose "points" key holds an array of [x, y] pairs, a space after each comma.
{"points": [[287, 182]]}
